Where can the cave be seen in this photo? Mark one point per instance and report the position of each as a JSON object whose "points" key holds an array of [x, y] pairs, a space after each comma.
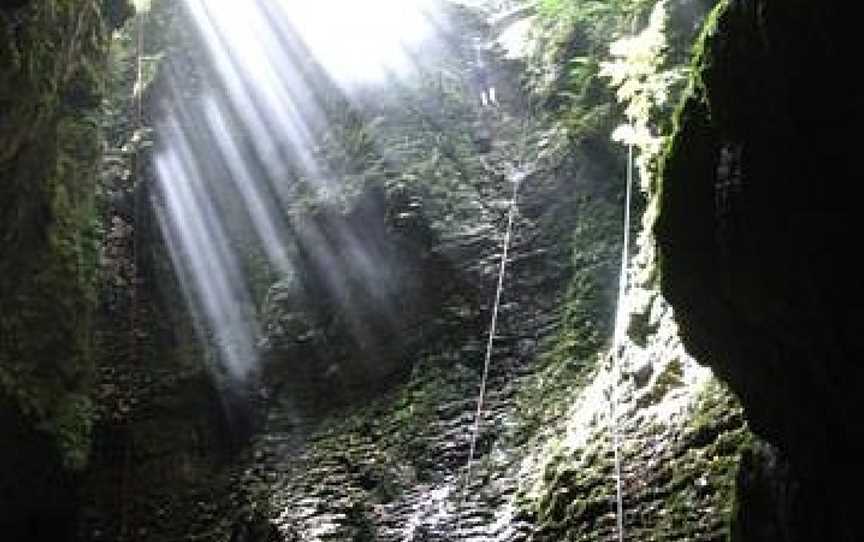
{"points": [[428, 270]]}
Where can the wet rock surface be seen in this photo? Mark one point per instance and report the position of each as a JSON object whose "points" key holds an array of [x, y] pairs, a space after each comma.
{"points": [[394, 470], [367, 292], [680, 437]]}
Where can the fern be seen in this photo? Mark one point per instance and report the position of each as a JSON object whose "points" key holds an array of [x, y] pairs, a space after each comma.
{"points": [[642, 81]]}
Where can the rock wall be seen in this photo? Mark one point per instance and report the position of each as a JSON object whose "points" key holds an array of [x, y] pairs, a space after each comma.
{"points": [[394, 468], [164, 424], [392, 465], [170, 462], [366, 292], [681, 434], [52, 57], [757, 235]]}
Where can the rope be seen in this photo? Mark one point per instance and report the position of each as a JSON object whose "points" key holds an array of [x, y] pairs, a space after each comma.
{"points": [[516, 178], [620, 330], [478, 414], [615, 370]]}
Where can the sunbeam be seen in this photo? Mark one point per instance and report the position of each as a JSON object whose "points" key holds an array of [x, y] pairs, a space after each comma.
{"points": [[253, 135], [361, 42], [200, 249]]}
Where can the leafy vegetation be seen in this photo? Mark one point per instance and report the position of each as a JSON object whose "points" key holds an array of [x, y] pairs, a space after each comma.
{"points": [[645, 84], [645, 71], [572, 42], [50, 88]]}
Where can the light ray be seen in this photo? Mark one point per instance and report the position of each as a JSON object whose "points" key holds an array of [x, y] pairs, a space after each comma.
{"points": [[274, 69], [359, 42], [260, 211]]}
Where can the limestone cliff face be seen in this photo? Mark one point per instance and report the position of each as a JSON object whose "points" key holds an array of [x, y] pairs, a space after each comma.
{"points": [[757, 233], [52, 56]]}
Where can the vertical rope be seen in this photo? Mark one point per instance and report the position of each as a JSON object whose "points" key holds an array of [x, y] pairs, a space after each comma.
{"points": [[493, 326], [138, 126], [516, 178], [620, 330], [617, 344]]}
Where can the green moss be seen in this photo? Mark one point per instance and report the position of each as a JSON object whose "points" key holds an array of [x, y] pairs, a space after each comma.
{"points": [[73, 427], [677, 162], [711, 405], [51, 75], [694, 100], [569, 358], [670, 378], [679, 478]]}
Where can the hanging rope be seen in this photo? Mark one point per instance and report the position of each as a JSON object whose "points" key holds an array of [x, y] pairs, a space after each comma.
{"points": [[516, 177], [617, 349], [478, 415], [136, 179], [620, 331]]}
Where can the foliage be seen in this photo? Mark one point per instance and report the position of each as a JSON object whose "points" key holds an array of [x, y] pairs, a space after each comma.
{"points": [[636, 70], [643, 84], [571, 40], [52, 81], [142, 6], [570, 10], [73, 426], [34, 77]]}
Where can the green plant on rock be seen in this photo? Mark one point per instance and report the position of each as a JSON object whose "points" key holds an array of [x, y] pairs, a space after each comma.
{"points": [[668, 379], [570, 10], [643, 84], [73, 427]]}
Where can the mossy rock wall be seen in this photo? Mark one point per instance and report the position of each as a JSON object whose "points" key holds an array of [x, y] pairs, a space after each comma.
{"points": [[52, 56], [680, 434], [757, 229]]}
